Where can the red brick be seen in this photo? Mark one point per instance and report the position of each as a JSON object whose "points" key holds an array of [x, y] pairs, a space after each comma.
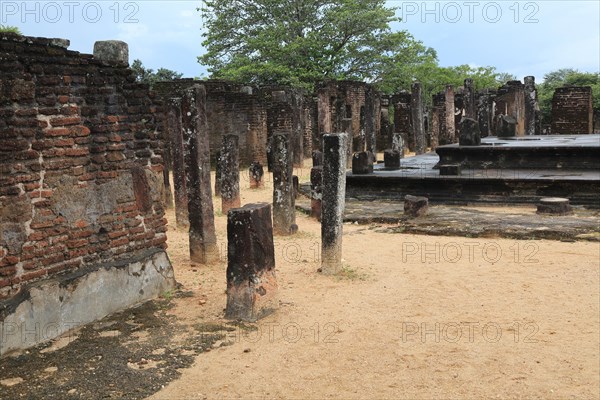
{"points": [[80, 131], [63, 121], [77, 152], [8, 271], [56, 132], [73, 244], [119, 242]]}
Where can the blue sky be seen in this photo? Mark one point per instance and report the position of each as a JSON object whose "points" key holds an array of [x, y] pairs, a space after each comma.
{"points": [[519, 37]]}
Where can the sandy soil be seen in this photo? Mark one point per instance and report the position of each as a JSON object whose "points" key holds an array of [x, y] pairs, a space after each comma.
{"points": [[410, 317]]}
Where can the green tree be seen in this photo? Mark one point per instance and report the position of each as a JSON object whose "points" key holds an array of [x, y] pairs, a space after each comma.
{"points": [[300, 42], [10, 29], [562, 77], [147, 75]]}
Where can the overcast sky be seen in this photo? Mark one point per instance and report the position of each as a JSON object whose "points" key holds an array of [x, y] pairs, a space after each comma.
{"points": [[519, 37]]}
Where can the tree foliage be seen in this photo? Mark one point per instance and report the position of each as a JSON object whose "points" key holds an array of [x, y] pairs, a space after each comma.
{"points": [[147, 75], [300, 42], [10, 29], [569, 77]]}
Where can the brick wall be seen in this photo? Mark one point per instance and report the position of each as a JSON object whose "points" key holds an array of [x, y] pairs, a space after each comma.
{"points": [[572, 112], [80, 163]]}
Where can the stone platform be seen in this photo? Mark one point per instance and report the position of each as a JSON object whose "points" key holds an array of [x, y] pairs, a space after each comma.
{"points": [[576, 152], [525, 170]]}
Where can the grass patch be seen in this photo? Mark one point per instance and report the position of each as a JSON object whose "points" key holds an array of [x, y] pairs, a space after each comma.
{"points": [[351, 274]]}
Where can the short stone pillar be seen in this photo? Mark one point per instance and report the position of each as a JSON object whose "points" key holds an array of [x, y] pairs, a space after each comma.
{"points": [[284, 213], [469, 133], [203, 240], [230, 173], [415, 206], [450, 169], [334, 201], [218, 173], [316, 191], [398, 143], [177, 147], [251, 283], [554, 206], [418, 118], [112, 51], [391, 159], [362, 163], [506, 126], [256, 173]]}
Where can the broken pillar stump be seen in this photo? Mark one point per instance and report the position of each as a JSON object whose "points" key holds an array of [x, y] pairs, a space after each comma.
{"points": [[251, 283], [450, 169], [230, 173], [334, 201], [362, 163], [316, 191], [506, 126], [317, 158], [554, 206], [469, 132], [284, 212], [256, 173], [203, 240], [391, 159], [415, 206]]}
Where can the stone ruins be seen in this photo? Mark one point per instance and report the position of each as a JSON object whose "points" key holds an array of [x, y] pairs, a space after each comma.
{"points": [[86, 156]]}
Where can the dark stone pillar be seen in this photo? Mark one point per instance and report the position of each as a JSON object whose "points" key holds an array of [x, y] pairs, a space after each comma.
{"points": [[177, 146], [531, 106], [506, 126], [469, 99], [218, 173], [168, 166], [256, 172], [334, 200], [295, 186], [484, 113], [469, 133], [317, 158], [230, 173], [449, 135], [417, 118], [415, 206], [391, 159], [251, 283], [203, 241], [554, 206], [316, 191], [362, 163], [284, 213]]}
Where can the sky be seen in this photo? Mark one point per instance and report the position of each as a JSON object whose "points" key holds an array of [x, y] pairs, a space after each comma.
{"points": [[518, 37]]}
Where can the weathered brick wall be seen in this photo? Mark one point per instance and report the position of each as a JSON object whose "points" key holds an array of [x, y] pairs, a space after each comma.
{"points": [[80, 163], [572, 111], [510, 100]]}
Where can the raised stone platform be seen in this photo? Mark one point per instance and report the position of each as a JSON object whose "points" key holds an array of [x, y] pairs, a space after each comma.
{"points": [[577, 152], [499, 180]]}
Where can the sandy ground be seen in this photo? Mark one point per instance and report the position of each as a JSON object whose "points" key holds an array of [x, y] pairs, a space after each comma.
{"points": [[411, 316]]}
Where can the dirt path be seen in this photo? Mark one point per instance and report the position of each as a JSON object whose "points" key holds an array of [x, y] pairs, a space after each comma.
{"points": [[411, 317]]}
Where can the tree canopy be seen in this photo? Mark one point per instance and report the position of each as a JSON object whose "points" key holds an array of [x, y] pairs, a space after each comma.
{"points": [[147, 75]]}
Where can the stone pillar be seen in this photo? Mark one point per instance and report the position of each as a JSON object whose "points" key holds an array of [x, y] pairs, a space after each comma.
{"points": [[256, 172], [391, 159], [484, 113], [251, 282], [284, 213], [362, 163], [506, 126], [398, 143], [347, 127], [531, 106], [112, 51], [317, 158], [417, 118], [415, 206], [175, 134], [469, 99], [230, 173], [334, 200], [316, 191], [370, 123], [449, 135], [218, 173], [469, 133], [203, 240]]}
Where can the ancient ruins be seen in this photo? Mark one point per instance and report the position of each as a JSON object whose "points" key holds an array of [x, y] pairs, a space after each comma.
{"points": [[87, 155]]}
